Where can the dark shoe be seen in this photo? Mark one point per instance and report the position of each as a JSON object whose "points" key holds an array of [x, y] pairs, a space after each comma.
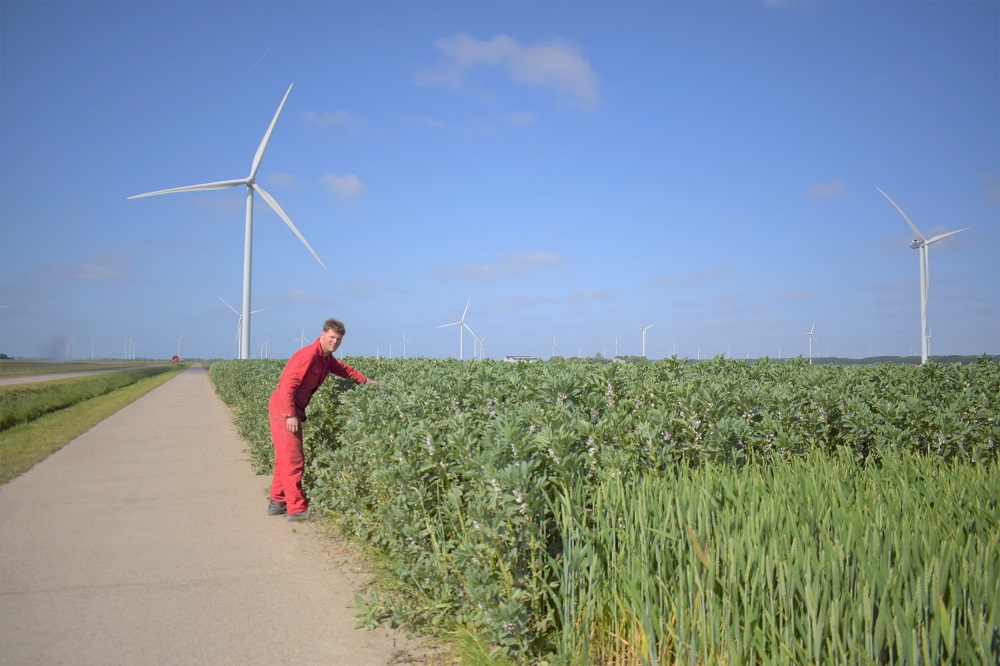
{"points": [[274, 508]]}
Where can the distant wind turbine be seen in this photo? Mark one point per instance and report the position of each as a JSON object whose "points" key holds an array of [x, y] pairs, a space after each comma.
{"points": [[405, 341], [554, 345], [239, 323], [644, 329], [811, 336], [475, 342], [92, 341], [178, 338], [461, 328], [251, 184], [922, 244], [302, 339]]}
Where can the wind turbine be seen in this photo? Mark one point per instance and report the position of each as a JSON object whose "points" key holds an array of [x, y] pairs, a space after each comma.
{"points": [[922, 244], [251, 184], [811, 336], [554, 345], [482, 347], [644, 329], [405, 341], [178, 338], [461, 326], [239, 323], [92, 341], [302, 339], [475, 342]]}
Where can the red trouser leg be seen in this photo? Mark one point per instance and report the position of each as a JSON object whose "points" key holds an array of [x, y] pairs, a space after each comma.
{"points": [[286, 481]]}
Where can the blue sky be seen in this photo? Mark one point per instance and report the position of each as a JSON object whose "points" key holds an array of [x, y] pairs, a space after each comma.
{"points": [[574, 170]]}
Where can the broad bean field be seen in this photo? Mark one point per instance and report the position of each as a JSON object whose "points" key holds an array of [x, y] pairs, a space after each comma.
{"points": [[666, 512]]}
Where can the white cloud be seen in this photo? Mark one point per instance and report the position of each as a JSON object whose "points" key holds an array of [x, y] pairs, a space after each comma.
{"points": [[591, 295], [367, 289], [691, 277], [522, 118], [825, 190], [347, 186], [307, 296], [512, 265], [793, 294], [280, 179], [98, 268], [339, 118], [555, 64]]}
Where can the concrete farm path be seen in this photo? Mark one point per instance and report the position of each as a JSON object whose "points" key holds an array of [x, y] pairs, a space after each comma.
{"points": [[146, 541]]}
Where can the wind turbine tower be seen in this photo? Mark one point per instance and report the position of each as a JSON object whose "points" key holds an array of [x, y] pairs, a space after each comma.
{"points": [[644, 329], [461, 326], [239, 323], [811, 336], [251, 184], [922, 244], [178, 338]]}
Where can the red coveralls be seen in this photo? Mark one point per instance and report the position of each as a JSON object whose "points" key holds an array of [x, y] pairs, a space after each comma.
{"points": [[305, 372]]}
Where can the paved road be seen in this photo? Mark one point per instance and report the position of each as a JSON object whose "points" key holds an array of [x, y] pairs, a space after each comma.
{"points": [[146, 541]]}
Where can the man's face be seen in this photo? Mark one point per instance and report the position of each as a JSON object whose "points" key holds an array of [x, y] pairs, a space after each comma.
{"points": [[329, 341]]}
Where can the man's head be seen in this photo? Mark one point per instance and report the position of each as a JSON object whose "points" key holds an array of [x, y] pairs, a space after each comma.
{"points": [[332, 336]]}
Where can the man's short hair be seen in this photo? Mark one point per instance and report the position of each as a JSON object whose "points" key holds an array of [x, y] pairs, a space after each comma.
{"points": [[334, 325]]}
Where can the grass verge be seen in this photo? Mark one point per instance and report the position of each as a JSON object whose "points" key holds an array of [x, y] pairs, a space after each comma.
{"points": [[24, 445]]}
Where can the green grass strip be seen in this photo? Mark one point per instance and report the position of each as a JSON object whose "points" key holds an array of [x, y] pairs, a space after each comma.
{"points": [[20, 368], [24, 445], [23, 403]]}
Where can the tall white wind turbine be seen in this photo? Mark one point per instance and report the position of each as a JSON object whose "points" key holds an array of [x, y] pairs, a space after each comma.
{"points": [[405, 342], [239, 323], [922, 244], [302, 339], [461, 326], [251, 184], [644, 329], [811, 336], [178, 339], [554, 345]]}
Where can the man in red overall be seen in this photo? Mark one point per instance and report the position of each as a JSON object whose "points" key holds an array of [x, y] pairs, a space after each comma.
{"points": [[305, 372]]}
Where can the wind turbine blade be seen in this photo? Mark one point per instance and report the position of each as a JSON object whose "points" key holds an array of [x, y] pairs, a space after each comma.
{"points": [[912, 226], [469, 329], [454, 323], [466, 309], [267, 137], [945, 235], [229, 306], [277, 209], [220, 185]]}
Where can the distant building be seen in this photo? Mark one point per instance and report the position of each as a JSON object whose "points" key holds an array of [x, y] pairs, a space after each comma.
{"points": [[521, 359]]}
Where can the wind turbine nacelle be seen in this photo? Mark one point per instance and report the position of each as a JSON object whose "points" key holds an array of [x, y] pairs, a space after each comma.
{"points": [[916, 244]]}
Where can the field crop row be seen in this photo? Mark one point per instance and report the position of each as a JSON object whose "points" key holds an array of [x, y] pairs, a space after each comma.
{"points": [[666, 512]]}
